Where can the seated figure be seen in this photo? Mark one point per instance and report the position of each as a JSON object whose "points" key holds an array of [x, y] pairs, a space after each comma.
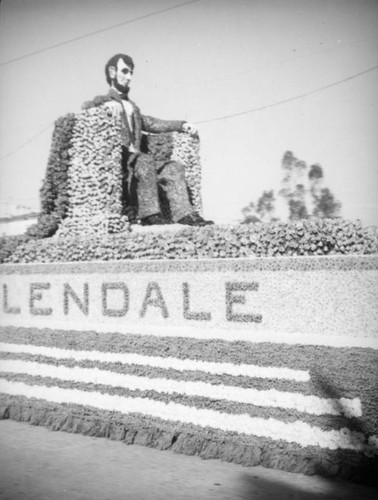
{"points": [[141, 170]]}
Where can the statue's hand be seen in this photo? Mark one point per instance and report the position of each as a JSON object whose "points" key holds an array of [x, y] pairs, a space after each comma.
{"points": [[189, 128]]}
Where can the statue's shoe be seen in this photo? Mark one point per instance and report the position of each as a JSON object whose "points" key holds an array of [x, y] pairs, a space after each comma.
{"points": [[154, 220], [194, 219]]}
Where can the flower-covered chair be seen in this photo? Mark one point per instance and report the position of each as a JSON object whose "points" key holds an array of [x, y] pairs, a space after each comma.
{"points": [[83, 190]]}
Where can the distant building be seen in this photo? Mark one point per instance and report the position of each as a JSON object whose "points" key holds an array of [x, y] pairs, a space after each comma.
{"points": [[17, 224]]}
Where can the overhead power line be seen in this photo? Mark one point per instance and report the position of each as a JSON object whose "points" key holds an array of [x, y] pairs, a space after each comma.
{"points": [[254, 110], [284, 101], [306, 55], [26, 142], [108, 28]]}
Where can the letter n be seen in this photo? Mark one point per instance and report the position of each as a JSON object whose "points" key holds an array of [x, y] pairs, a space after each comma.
{"points": [[83, 304]]}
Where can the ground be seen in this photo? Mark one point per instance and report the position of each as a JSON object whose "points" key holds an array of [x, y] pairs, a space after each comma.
{"points": [[38, 464]]}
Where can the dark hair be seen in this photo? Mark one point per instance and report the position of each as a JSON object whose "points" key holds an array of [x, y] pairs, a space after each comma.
{"points": [[113, 62]]}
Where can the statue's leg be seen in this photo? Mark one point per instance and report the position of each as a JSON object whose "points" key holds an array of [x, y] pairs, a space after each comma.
{"points": [[147, 186], [172, 179], [129, 191]]}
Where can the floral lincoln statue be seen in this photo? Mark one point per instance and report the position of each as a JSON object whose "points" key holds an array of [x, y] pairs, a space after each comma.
{"points": [[149, 174]]}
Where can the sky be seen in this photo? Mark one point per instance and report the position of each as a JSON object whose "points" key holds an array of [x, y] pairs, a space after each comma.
{"points": [[258, 77]]}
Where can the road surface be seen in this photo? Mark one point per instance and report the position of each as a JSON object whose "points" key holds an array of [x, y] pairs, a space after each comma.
{"points": [[38, 464]]}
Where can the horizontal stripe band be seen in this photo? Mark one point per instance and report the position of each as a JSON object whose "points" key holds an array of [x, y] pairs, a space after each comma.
{"points": [[322, 421], [272, 398], [227, 334], [297, 432], [161, 362], [282, 263]]}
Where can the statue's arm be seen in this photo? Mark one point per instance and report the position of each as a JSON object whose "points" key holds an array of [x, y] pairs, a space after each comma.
{"points": [[158, 126]]}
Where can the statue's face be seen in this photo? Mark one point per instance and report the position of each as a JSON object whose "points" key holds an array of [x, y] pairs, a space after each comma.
{"points": [[121, 75]]}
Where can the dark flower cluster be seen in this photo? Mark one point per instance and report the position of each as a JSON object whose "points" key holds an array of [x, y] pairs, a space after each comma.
{"points": [[8, 245], [54, 196]]}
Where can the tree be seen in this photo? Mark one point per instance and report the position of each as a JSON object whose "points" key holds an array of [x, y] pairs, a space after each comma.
{"points": [[250, 214], [293, 186], [302, 191], [297, 203], [326, 205], [262, 211], [265, 205]]}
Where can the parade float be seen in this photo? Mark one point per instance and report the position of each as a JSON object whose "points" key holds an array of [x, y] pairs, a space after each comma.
{"points": [[251, 343]]}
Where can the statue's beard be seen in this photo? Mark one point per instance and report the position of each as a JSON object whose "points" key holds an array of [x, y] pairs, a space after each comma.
{"points": [[121, 88]]}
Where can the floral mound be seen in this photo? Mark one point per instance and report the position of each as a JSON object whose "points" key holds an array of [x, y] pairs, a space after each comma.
{"points": [[311, 237]]}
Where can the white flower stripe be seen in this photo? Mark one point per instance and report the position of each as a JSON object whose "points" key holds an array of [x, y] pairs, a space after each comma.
{"points": [[297, 432], [162, 362], [271, 398]]}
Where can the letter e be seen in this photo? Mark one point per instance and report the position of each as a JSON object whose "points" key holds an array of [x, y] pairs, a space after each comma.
{"points": [[36, 295], [232, 298]]}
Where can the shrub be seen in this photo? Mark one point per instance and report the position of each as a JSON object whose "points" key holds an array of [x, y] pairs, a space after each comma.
{"points": [[304, 238], [8, 245]]}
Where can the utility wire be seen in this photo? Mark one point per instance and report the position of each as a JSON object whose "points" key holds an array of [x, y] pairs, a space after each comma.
{"points": [[81, 37], [261, 108], [306, 55], [225, 117], [26, 142]]}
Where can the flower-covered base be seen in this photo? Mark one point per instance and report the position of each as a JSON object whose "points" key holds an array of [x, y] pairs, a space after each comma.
{"points": [[302, 408]]}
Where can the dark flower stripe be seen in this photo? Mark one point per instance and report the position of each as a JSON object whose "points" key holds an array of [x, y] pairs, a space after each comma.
{"points": [[186, 375], [302, 357]]}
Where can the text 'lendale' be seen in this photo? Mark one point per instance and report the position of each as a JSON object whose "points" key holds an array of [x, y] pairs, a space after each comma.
{"points": [[114, 299]]}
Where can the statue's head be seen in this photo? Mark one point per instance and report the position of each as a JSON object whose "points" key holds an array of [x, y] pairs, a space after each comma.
{"points": [[119, 70]]}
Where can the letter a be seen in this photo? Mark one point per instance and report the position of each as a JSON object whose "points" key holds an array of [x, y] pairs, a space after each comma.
{"points": [[158, 301]]}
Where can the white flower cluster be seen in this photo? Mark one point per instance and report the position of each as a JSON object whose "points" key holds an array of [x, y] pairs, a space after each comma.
{"points": [[186, 151], [371, 448], [269, 398], [94, 176], [298, 432]]}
